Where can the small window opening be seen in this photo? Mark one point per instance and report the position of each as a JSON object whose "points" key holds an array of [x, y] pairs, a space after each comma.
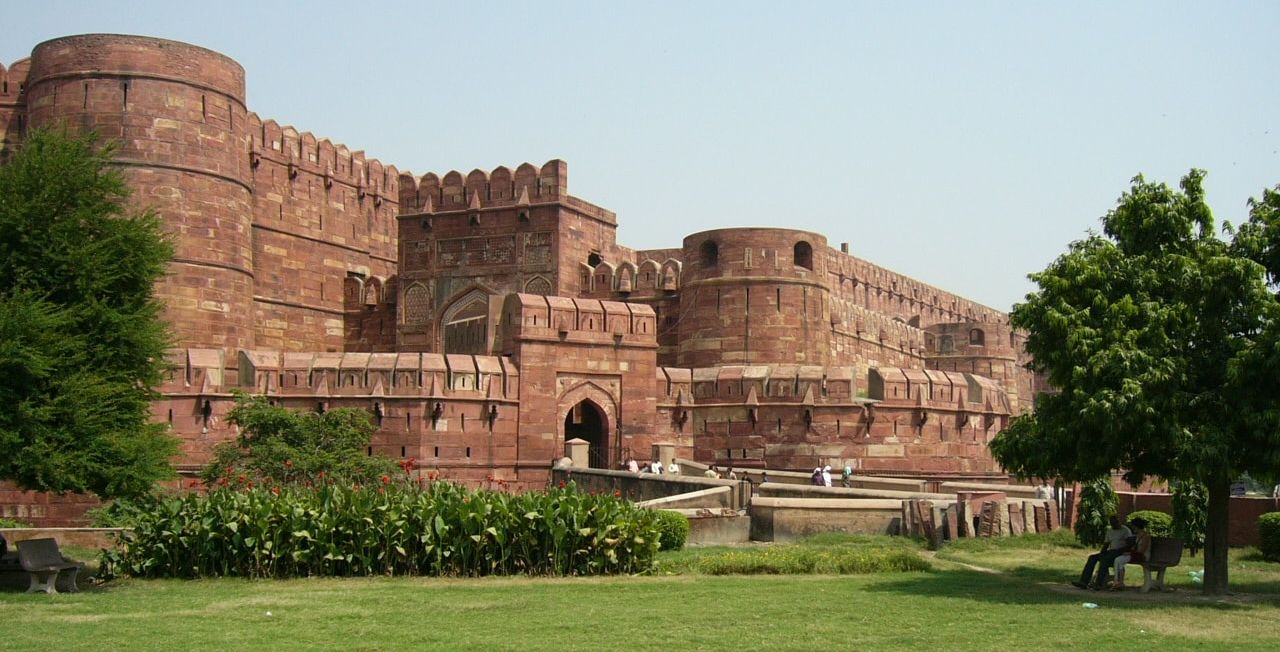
{"points": [[710, 252], [803, 255]]}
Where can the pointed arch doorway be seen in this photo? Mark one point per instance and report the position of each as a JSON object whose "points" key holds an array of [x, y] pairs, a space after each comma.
{"points": [[586, 421]]}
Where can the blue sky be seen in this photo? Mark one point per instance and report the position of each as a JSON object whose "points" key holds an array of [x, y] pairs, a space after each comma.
{"points": [[963, 144]]}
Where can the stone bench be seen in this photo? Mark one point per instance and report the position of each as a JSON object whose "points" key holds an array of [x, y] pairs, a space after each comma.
{"points": [[43, 562], [1165, 552]]}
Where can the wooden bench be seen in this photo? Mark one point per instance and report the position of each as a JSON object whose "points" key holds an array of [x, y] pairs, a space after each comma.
{"points": [[1165, 552], [43, 562]]}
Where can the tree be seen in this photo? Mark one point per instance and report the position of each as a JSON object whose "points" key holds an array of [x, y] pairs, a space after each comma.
{"points": [[1157, 335], [81, 339], [284, 446]]}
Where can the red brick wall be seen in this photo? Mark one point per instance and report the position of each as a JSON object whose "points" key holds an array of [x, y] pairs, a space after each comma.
{"points": [[1242, 512], [44, 509], [12, 105], [177, 112], [321, 214], [754, 304]]}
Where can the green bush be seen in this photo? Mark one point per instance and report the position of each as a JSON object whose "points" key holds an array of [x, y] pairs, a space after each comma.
{"points": [[1159, 524], [395, 528], [805, 560], [10, 522], [674, 529], [1097, 504], [1269, 533]]}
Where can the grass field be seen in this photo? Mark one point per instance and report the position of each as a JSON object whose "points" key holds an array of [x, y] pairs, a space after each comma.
{"points": [[981, 595]]}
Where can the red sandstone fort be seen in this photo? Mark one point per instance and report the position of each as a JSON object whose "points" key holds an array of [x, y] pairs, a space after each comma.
{"points": [[485, 318]]}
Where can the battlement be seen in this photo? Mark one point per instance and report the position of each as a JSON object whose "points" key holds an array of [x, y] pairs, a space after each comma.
{"points": [[479, 189], [931, 388], [850, 318], [879, 288], [650, 278], [807, 385], [588, 321], [303, 152], [285, 374]]}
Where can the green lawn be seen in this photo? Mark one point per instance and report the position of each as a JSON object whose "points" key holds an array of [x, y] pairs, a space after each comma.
{"points": [[1025, 605]]}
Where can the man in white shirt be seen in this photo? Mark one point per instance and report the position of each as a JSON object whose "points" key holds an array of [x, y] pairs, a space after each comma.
{"points": [[656, 467], [1117, 542], [673, 468]]}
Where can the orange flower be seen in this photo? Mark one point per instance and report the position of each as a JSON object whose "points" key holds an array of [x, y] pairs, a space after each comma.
{"points": [[275, 491], [386, 479]]}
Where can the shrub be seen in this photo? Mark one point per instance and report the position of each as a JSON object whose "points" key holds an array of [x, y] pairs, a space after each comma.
{"points": [[277, 445], [10, 522], [1159, 524], [1269, 533], [124, 512], [396, 528], [674, 529], [804, 560], [1097, 504]]}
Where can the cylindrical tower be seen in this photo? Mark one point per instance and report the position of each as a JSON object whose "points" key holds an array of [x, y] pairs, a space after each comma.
{"points": [[754, 296], [177, 112]]}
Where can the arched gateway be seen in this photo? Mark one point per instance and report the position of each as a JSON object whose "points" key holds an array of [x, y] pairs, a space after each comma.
{"points": [[586, 421]]}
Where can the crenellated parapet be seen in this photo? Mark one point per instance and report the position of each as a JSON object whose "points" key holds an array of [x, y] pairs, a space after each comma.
{"points": [[301, 153], [883, 290], [582, 321], [499, 188], [852, 320], [338, 375]]}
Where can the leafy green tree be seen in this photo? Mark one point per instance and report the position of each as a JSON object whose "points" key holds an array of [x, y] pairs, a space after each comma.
{"points": [[1097, 506], [1161, 339], [81, 338], [290, 447]]}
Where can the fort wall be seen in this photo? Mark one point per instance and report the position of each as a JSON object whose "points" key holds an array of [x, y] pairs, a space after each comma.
{"points": [[321, 214], [484, 319], [177, 112], [13, 82]]}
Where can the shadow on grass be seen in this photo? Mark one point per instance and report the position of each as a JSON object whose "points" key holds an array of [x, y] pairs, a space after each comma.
{"points": [[1030, 585]]}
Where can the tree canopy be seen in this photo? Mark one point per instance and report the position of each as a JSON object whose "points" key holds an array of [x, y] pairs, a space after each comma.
{"points": [[81, 338], [284, 446], [1158, 336]]}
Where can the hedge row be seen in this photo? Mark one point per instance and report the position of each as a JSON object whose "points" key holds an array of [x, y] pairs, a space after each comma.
{"points": [[394, 529]]}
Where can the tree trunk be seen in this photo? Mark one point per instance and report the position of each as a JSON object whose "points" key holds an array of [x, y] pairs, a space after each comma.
{"points": [[1215, 538]]}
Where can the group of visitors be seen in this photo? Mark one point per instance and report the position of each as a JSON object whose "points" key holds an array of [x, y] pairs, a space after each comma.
{"points": [[822, 476], [1124, 546], [655, 467], [714, 472]]}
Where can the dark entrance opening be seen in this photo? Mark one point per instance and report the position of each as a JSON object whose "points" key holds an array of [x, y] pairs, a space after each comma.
{"points": [[584, 421]]}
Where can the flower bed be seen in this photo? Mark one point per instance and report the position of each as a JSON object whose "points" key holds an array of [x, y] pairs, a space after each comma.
{"points": [[398, 528]]}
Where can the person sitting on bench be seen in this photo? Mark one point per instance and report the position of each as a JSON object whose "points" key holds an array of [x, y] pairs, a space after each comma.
{"points": [[1117, 543], [1136, 554]]}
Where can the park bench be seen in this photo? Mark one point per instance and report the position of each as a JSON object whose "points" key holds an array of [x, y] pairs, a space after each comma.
{"points": [[1165, 552], [43, 562]]}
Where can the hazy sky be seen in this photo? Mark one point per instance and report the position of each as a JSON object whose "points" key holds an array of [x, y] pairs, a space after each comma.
{"points": [[964, 144]]}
